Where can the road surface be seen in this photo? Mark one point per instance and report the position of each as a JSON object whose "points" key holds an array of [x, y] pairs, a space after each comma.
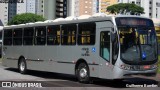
{"points": [[54, 80]]}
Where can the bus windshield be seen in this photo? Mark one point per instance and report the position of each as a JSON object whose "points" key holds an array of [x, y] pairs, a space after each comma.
{"points": [[137, 43]]}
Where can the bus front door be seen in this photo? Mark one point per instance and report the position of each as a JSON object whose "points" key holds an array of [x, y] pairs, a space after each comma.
{"points": [[105, 70]]}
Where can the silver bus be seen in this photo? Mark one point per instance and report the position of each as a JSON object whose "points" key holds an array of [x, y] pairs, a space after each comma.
{"points": [[102, 46]]}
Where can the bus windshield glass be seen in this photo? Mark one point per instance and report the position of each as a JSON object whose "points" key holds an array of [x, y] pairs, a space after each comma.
{"points": [[138, 42]]}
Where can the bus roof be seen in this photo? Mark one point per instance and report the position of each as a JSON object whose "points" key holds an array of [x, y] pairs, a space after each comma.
{"points": [[83, 18]]}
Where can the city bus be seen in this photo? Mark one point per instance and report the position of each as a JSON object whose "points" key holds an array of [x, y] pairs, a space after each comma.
{"points": [[100, 46]]}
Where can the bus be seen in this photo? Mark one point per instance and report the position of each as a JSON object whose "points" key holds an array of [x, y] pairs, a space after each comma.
{"points": [[101, 46]]}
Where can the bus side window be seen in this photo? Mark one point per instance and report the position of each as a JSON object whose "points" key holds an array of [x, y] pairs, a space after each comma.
{"points": [[105, 45], [68, 33], [17, 36], [53, 35], [40, 35], [28, 36], [8, 37], [86, 33]]}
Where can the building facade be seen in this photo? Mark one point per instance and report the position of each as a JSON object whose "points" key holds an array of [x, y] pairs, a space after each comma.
{"points": [[84, 7], [31, 6], [151, 7], [4, 13], [61, 8], [103, 4], [12, 10], [21, 7], [40, 7], [52, 9]]}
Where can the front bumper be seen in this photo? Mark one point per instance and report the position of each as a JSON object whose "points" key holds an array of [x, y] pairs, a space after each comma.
{"points": [[119, 73]]}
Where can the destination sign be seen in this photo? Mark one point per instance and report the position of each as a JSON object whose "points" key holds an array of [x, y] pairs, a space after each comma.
{"points": [[129, 21]]}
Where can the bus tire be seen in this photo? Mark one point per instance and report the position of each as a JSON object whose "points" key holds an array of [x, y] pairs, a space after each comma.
{"points": [[22, 66], [83, 73]]}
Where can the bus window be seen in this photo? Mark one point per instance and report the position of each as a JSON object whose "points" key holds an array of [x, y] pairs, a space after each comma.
{"points": [[105, 45], [68, 33], [28, 36], [53, 35], [40, 35], [86, 34], [17, 36], [8, 37]]}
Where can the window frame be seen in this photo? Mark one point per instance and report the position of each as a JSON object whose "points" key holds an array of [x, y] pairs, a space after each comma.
{"points": [[17, 37], [55, 35], [69, 35], [11, 37], [26, 37], [79, 36], [36, 36]]}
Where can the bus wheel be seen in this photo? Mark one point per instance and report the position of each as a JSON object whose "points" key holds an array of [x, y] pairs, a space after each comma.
{"points": [[83, 73], [22, 66]]}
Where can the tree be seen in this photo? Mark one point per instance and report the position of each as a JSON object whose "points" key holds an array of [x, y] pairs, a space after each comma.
{"points": [[123, 8], [25, 18]]}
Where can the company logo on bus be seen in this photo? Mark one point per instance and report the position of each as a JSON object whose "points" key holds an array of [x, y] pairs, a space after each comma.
{"points": [[144, 56]]}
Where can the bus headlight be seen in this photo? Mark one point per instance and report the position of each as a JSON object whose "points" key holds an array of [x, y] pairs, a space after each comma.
{"points": [[154, 66]]}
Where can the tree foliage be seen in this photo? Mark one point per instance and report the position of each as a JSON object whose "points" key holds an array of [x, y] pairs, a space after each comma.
{"points": [[25, 18], [123, 8]]}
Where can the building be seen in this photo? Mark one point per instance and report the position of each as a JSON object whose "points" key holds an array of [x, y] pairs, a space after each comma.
{"points": [[151, 7], [40, 6], [12, 10], [4, 13], [21, 7], [157, 27], [31, 6], [71, 7], [52, 9], [9, 10], [61, 8], [49, 9], [84, 7], [103, 4]]}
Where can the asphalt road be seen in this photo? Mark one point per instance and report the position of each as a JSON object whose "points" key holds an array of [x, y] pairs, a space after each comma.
{"points": [[61, 81]]}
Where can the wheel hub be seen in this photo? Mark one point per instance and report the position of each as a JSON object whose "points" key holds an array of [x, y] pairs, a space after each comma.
{"points": [[83, 72], [22, 66]]}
